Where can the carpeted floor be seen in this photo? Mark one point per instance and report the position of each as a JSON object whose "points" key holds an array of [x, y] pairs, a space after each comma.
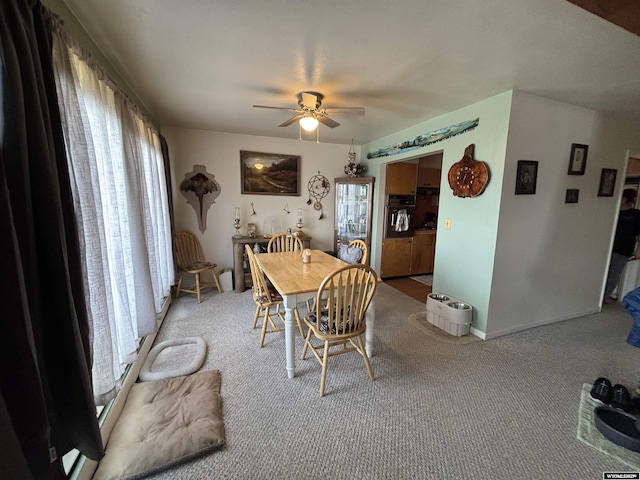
{"points": [[490, 410]]}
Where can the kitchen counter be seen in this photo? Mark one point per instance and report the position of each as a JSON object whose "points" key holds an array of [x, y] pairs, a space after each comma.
{"points": [[423, 231]]}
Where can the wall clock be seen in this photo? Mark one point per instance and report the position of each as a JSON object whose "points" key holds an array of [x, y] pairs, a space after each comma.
{"points": [[468, 177]]}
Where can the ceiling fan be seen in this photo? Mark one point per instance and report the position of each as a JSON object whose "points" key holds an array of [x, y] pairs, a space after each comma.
{"points": [[309, 112]]}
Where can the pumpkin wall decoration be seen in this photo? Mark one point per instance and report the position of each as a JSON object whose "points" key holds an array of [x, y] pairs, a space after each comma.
{"points": [[468, 177]]}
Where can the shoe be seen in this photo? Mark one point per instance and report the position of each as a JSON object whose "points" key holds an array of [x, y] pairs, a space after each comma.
{"points": [[602, 390], [620, 398], [610, 301]]}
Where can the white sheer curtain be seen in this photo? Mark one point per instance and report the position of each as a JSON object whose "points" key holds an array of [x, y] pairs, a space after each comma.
{"points": [[118, 182]]}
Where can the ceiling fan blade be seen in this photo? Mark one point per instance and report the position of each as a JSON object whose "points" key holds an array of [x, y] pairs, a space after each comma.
{"points": [[344, 110], [291, 120], [327, 121], [278, 108]]}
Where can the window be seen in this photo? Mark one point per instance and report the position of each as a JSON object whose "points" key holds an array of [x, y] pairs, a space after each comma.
{"points": [[116, 168]]}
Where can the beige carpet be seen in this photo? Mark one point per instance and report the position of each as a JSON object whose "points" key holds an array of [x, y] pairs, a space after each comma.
{"points": [[589, 433], [164, 423], [419, 320]]}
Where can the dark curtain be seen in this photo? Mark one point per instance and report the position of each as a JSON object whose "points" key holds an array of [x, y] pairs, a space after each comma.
{"points": [[46, 400], [167, 174]]}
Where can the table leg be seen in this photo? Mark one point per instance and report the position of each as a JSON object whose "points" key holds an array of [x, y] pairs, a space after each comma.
{"points": [[290, 333], [238, 266], [368, 337]]}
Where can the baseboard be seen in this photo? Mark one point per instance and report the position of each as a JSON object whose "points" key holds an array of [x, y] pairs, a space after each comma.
{"points": [[478, 333], [518, 328]]}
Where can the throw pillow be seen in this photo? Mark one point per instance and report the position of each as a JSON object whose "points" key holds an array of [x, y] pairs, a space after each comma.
{"points": [[349, 254]]}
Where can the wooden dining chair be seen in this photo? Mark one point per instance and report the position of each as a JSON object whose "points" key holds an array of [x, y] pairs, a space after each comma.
{"points": [[266, 296], [191, 261], [338, 320], [285, 242]]}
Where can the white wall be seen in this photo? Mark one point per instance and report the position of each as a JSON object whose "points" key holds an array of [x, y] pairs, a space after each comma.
{"points": [[552, 257], [220, 154]]}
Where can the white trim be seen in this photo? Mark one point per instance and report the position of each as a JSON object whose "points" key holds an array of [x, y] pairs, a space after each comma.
{"points": [[519, 328]]}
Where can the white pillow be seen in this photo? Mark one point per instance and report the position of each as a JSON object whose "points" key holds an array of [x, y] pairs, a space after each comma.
{"points": [[349, 254]]}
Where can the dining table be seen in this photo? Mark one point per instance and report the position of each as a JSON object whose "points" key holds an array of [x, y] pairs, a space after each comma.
{"points": [[296, 282]]}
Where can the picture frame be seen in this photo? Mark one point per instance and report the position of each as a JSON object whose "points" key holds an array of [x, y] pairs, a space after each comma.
{"points": [[571, 196], [578, 159], [526, 177], [269, 173], [607, 182]]}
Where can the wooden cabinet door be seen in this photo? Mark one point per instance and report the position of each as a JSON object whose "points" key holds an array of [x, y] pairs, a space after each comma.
{"points": [[429, 177], [396, 257], [423, 253], [401, 179]]}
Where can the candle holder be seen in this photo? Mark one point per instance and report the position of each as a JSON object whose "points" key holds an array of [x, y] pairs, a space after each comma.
{"points": [[236, 222]]}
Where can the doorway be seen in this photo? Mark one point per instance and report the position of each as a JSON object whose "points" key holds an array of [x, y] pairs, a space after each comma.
{"points": [[426, 216], [630, 278]]}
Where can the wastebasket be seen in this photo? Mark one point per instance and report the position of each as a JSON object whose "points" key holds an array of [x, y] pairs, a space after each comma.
{"points": [[226, 279]]}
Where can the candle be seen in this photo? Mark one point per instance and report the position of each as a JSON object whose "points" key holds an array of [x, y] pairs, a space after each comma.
{"points": [[306, 256]]}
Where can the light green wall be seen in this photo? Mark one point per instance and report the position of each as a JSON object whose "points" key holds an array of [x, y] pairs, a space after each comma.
{"points": [[465, 253]]}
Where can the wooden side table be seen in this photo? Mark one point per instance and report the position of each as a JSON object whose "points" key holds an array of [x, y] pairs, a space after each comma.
{"points": [[241, 277]]}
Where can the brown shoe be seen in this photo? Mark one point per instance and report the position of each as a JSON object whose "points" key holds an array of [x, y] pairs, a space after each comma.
{"points": [[609, 301]]}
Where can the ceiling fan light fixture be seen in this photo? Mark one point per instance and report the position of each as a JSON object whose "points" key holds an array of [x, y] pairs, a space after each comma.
{"points": [[309, 123]]}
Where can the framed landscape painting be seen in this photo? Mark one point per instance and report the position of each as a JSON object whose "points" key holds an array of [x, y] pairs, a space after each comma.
{"points": [[269, 173]]}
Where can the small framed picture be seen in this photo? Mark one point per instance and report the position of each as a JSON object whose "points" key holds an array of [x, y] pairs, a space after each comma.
{"points": [[607, 182], [526, 177], [578, 159], [572, 195]]}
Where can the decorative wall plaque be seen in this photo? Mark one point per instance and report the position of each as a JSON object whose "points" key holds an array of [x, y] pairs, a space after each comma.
{"points": [[468, 177], [201, 190]]}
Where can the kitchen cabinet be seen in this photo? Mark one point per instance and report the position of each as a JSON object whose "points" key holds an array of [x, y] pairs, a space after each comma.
{"points": [[423, 252], [429, 177], [396, 257], [401, 178], [354, 207], [408, 256]]}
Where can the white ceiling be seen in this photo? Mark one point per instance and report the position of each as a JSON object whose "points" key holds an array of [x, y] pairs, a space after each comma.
{"points": [[203, 63]]}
